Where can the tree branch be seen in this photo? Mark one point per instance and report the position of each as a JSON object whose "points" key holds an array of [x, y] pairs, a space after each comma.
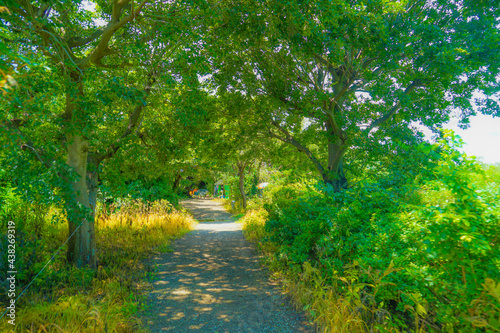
{"points": [[100, 50], [39, 153], [133, 122], [43, 10], [77, 42], [288, 138], [394, 109]]}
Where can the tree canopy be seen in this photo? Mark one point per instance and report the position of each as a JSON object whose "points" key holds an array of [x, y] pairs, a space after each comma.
{"points": [[123, 89], [357, 75]]}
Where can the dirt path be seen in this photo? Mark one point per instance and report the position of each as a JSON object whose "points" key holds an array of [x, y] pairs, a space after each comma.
{"points": [[212, 282]]}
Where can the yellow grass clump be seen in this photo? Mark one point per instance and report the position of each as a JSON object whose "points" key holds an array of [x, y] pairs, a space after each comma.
{"points": [[329, 311], [109, 299], [144, 225]]}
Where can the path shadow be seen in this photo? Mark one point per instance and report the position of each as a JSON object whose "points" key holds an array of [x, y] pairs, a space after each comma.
{"points": [[206, 210], [212, 282]]}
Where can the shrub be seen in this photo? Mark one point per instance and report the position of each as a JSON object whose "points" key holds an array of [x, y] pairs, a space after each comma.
{"points": [[297, 219], [422, 256]]}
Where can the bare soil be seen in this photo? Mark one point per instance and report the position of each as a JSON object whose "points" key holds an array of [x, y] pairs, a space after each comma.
{"points": [[212, 282]]}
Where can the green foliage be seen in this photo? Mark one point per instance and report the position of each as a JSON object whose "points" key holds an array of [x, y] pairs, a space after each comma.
{"points": [[342, 82], [144, 189], [460, 238], [426, 252], [35, 237], [296, 221]]}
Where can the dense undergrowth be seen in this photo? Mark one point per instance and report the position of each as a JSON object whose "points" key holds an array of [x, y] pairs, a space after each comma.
{"points": [[420, 257], [66, 299]]}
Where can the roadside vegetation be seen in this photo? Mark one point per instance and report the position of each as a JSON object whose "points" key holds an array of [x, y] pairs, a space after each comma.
{"points": [[419, 256], [64, 298], [110, 111]]}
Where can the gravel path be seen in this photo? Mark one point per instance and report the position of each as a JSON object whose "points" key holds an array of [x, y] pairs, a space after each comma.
{"points": [[212, 282]]}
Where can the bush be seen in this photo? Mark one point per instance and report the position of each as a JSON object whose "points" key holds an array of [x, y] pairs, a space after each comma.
{"points": [[37, 231], [298, 217], [253, 226], [423, 256], [145, 190]]}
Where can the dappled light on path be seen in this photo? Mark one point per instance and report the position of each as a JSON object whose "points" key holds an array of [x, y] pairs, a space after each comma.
{"points": [[206, 210], [212, 282], [219, 226]]}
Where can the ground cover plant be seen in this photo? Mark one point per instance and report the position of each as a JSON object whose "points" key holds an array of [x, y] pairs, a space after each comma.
{"points": [[68, 299], [420, 258]]}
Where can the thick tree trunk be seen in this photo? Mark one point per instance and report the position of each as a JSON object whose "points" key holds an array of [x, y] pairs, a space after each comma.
{"points": [[334, 174], [336, 178], [337, 145], [81, 214], [93, 183], [93, 180], [81, 246]]}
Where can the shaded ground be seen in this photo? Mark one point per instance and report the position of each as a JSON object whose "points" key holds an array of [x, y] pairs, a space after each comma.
{"points": [[212, 282]]}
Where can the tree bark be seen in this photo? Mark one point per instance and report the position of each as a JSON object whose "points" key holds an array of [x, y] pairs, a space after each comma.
{"points": [[93, 182], [80, 213], [337, 147], [81, 246], [241, 182], [177, 180], [336, 178]]}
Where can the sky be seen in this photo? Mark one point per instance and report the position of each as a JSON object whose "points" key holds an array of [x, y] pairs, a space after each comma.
{"points": [[482, 138]]}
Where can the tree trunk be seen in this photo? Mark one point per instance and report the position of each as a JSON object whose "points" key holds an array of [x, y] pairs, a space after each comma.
{"points": [[334, 175], [336, 178], [176, 182], [337, 145], [81, 214], [93, 181], [241, 184]]}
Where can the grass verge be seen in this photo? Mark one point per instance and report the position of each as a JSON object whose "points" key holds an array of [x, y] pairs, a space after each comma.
{"points": [[307, 289], [67, 299]]}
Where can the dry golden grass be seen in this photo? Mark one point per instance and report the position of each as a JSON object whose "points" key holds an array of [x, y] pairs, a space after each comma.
{"points": [[146, 226], [253, 225], [329, 312], [106, 300]]}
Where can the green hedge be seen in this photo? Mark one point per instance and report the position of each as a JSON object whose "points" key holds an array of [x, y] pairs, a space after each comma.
{"points": [[426, 253]]}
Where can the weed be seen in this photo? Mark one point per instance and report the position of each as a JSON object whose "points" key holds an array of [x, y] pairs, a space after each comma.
{"points": [[420, 258]]}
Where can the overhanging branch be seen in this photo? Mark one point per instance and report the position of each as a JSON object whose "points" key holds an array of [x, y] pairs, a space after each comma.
{"points": [[116, 23], [77, 42], [39, 153], [133, 122], [288, 138], [394, 109]]}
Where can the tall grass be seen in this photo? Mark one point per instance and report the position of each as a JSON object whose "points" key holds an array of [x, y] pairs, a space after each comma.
{"points": [[330, 311], [67, 299], [138, 228]]}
